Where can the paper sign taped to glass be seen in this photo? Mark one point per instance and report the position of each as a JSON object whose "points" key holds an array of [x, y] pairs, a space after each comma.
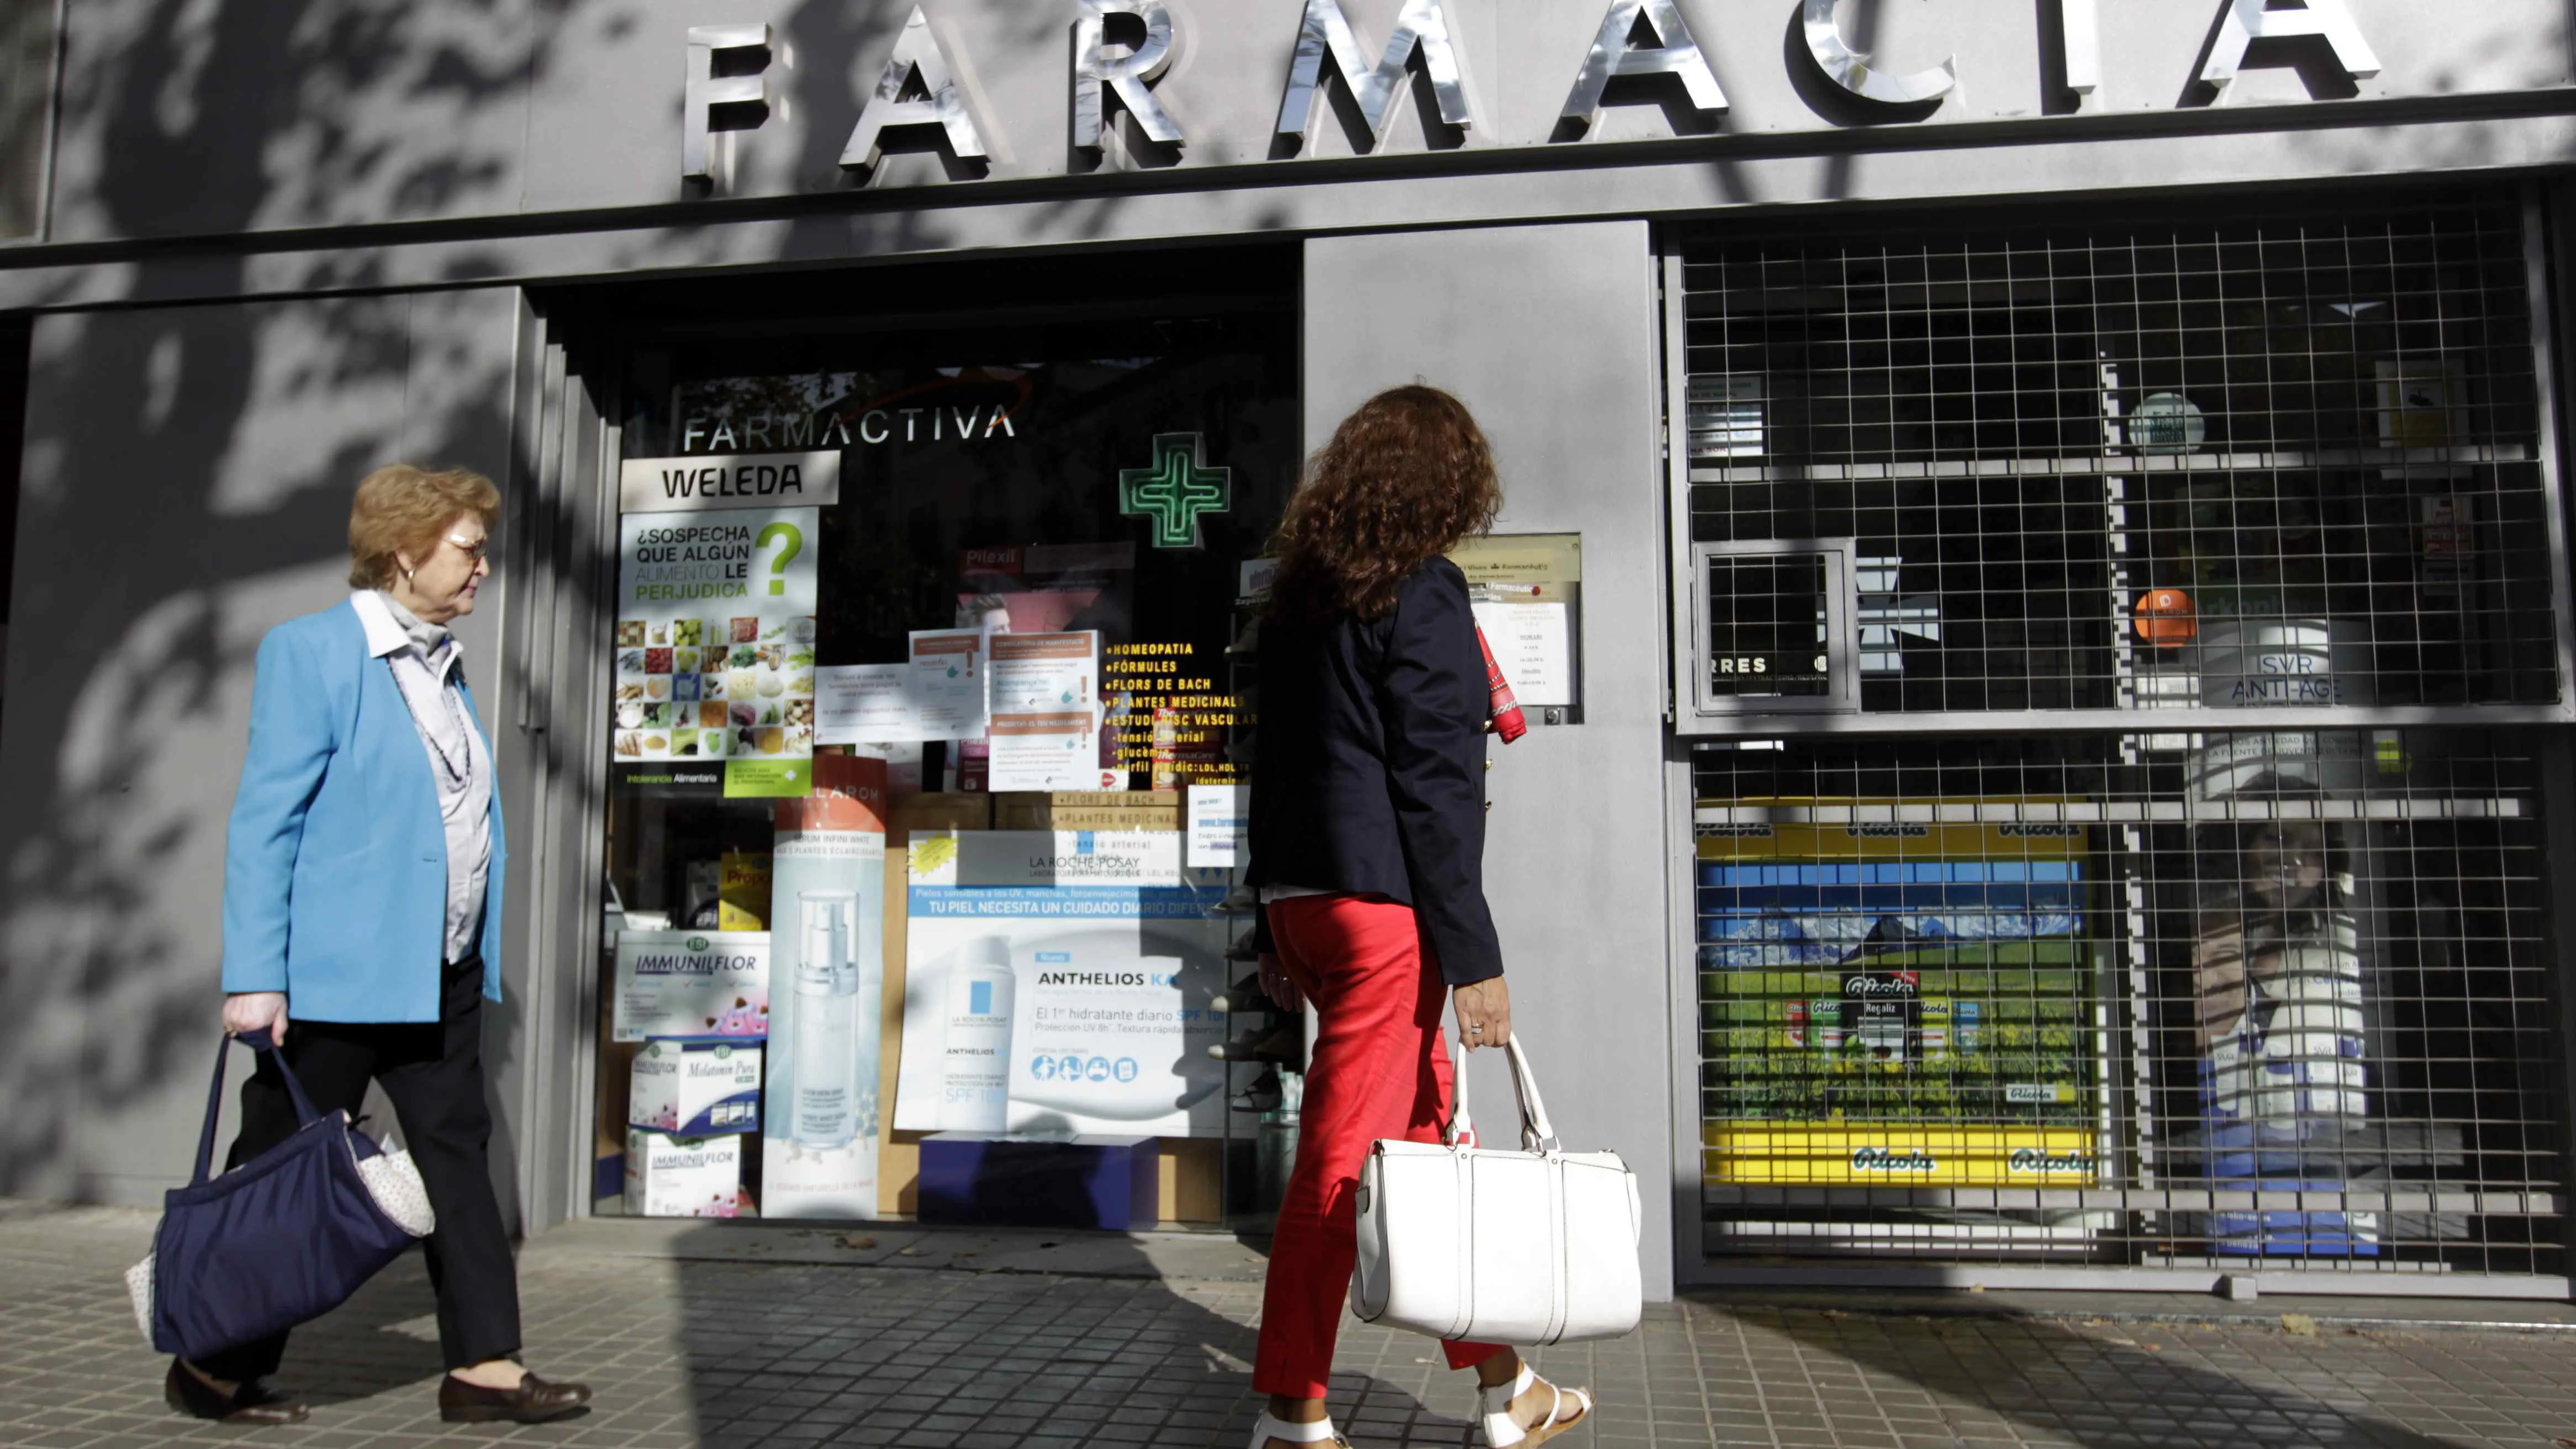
{"points": [[1059, 981]]}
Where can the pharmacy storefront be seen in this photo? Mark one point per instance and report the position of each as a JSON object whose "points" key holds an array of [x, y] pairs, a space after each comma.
{"points": [[2035, 562]]}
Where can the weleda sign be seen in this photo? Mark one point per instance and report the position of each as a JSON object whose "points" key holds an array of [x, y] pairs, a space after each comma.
{"points": [[1328, 69], [709, 481]]}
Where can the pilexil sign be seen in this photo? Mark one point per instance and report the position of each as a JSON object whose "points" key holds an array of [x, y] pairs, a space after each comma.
{"points": [[1122, 52]]}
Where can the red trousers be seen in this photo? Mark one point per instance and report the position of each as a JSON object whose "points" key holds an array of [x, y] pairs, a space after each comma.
{"points": [[1380, 1069]]}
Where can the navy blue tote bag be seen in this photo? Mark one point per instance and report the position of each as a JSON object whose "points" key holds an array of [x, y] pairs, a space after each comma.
{"points": [[280, 1240]]}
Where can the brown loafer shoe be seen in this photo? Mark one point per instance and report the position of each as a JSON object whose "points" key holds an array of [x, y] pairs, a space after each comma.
{"points": [[534, 1401], [252, 1403]]}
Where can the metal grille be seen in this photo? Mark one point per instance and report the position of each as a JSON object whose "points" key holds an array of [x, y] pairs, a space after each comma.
{"points": [[2267, 1002], [2269, 461]]}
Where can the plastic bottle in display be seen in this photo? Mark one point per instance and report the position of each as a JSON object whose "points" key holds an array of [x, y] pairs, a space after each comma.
{"points": [[827, 1011], [977, 1060]]}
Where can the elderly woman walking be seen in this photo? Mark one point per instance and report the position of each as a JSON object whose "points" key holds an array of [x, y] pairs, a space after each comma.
{"points": [[362, 916]]}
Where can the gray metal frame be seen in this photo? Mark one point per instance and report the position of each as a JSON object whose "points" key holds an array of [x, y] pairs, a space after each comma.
{"points": [[563, 556], [1692, 1265], [1842, 654]]}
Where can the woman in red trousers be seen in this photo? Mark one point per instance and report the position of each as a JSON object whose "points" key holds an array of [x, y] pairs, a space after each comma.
{"points": [[1368, 839]]}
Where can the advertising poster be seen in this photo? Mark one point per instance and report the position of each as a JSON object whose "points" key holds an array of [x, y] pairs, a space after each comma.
{"points": [[1907, 1000], [819, 1128], [691, 983], [1059, 981], [715, 644], [1045, 700]]}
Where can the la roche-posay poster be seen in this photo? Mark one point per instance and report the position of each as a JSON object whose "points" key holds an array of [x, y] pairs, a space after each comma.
{"points": [[1059, 981]]}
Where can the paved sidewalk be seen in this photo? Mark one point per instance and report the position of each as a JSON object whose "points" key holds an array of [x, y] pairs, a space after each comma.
{"points": [[752, 1335]]}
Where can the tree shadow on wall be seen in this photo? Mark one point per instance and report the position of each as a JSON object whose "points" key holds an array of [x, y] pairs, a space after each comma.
{"points": [[186, 486]]}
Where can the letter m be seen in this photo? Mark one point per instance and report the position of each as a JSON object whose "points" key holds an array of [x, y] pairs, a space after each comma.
{"points": [[1326, 31]]}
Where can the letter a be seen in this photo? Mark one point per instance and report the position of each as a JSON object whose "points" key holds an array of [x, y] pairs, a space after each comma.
{"points": [[1674, 52], [1326, 30], [2247, 21], [916, 51]]}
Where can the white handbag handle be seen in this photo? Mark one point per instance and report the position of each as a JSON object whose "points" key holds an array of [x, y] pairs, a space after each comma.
{"points": [[1537, 1133]]}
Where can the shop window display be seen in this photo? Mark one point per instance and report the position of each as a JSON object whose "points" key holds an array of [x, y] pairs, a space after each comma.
{"points": [[2278, 1000], [924, 663]]}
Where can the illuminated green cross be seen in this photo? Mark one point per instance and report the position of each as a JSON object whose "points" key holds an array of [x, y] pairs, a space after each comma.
{"points": [[1177, 489]]}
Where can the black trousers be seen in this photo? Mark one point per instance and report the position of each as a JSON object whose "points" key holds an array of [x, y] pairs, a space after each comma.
{"points": [[433, 1074]]}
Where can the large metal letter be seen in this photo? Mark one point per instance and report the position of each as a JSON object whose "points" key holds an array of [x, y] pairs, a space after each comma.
{"points": [[1126, 75], [705, 90], [916, 50], [2248, 21], [1325, 30], [1674, 52], [2081, 23], [1853, 73]]}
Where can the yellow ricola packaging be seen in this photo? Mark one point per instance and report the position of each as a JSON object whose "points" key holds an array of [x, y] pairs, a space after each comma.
{"points": [[742, 892], [1896, 1154]]}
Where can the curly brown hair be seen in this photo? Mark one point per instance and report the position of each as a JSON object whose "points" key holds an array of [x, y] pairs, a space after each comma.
{"points": [[1406, 476]]}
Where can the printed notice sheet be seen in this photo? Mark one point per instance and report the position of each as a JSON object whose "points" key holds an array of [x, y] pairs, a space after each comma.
{"points": [[1045, 726]]}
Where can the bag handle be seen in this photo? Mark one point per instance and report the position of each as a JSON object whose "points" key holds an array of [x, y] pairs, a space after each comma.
{"points": [[1537, 1133], [259, 1043]]}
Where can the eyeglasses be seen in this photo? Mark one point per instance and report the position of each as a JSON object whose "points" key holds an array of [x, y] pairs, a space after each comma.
{"points": [[476, 549]]}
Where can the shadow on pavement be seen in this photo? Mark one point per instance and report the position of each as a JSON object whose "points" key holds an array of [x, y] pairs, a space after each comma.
{"points": [[2121, 1386], [383, 1340], [895, 1333]]}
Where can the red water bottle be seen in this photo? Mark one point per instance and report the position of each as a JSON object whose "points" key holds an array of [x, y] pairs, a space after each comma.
{"points": [[1498, 695]]}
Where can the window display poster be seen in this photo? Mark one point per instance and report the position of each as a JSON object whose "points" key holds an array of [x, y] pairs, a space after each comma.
{"points": [[1220, 823], [936, 694], [819, 1125], [1045, 720], [690, 983], [714, 651], [1059, 981]]}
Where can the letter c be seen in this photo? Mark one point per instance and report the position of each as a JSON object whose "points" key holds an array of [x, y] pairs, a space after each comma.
{"points": [[1853, 72]]}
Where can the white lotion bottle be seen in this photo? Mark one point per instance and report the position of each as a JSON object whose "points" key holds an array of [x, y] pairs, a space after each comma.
{"points": [[977, 1061], [827, 1011]]}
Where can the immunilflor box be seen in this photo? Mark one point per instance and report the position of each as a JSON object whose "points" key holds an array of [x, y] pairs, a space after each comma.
{"points": [[684, 1177]]}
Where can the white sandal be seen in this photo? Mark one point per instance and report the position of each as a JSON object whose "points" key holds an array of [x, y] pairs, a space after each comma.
{"points": [[1502, 1431], [1267, 1428]]}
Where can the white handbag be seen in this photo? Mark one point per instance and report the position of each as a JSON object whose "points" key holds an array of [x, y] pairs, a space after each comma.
{"points": [[1526, 1248]]}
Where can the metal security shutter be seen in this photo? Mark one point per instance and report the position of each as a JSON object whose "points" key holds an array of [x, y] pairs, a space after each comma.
{"points": [[2313, 418], [2170, 900]]}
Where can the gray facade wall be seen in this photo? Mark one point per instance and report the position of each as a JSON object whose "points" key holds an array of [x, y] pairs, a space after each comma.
{"points": [[1548, 333], [187, 485], [344, 112]]}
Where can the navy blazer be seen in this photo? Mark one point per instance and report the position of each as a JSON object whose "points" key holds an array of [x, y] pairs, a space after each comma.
{"points": [[1369, 764]]}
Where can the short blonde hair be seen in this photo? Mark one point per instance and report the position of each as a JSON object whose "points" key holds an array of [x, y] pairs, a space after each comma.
{"points": [[401, 508]]}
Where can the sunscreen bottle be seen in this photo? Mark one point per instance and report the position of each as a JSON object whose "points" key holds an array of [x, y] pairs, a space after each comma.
{"points": [[976, 1063]]}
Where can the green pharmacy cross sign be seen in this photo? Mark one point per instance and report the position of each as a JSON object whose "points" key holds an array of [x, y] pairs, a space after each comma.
{"points": [[1177, 489]]}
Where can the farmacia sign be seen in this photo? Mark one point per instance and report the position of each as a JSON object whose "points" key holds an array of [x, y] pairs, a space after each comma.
{"points": [[1122, 48]]}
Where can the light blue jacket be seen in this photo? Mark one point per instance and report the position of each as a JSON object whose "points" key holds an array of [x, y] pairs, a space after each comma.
{"points": [[335, 863]]}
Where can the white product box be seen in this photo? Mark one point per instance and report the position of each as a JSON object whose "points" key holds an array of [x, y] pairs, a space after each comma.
{"points": [[695, 1086], [683, 1177]]}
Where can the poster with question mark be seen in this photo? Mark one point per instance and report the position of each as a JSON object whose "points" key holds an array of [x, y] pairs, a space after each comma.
{"points": [[714, 654]]}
